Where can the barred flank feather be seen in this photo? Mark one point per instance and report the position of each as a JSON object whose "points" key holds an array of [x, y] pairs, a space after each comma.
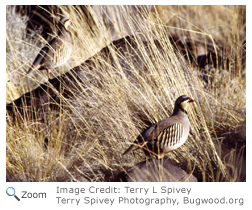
{"points": [[62, 54], [170, 136]]}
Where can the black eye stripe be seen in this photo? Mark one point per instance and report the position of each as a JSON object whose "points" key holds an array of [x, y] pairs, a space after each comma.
{"points": [[184, 100]]}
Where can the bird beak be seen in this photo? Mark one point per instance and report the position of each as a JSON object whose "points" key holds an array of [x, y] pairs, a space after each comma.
{"points": [[191, 100]]}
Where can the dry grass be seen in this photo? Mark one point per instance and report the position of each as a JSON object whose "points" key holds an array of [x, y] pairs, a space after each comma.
{"points": [[88, 135]]}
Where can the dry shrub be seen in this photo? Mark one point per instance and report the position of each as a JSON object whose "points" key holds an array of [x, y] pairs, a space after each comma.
{"points": [[84, 140]]}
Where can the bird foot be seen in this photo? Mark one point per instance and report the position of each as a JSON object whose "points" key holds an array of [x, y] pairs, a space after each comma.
{"points": [[50, 75]]}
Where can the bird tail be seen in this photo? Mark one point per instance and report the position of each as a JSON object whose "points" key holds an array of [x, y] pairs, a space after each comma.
{"points": [[33, 67], [138, 143], [29, 70], [131, 148]]}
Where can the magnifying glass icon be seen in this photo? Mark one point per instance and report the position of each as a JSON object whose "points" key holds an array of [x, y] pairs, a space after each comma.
{"points": [[11, 191]]}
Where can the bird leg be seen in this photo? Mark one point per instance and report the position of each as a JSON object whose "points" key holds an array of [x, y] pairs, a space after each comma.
{"points": [[50, 74]]}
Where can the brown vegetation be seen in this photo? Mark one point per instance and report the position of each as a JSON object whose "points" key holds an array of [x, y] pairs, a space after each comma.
{"points": [[76, 126]]}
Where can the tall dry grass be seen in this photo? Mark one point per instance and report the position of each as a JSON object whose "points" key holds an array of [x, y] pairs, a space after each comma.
{"points": [[88, 135]]}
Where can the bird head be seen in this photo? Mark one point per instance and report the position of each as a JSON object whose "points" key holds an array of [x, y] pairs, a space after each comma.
{"points": [[182, 102], [65, 21]]}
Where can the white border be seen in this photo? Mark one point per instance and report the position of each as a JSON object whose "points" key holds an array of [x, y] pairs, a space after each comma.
{"points": [[214, 190]]}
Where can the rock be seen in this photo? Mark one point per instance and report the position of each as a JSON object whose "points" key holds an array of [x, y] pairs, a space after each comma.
{"points": [[154, 170]]}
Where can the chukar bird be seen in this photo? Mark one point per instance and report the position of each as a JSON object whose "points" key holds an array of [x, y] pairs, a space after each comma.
{"points": [[56, 52], [166, 135]]}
